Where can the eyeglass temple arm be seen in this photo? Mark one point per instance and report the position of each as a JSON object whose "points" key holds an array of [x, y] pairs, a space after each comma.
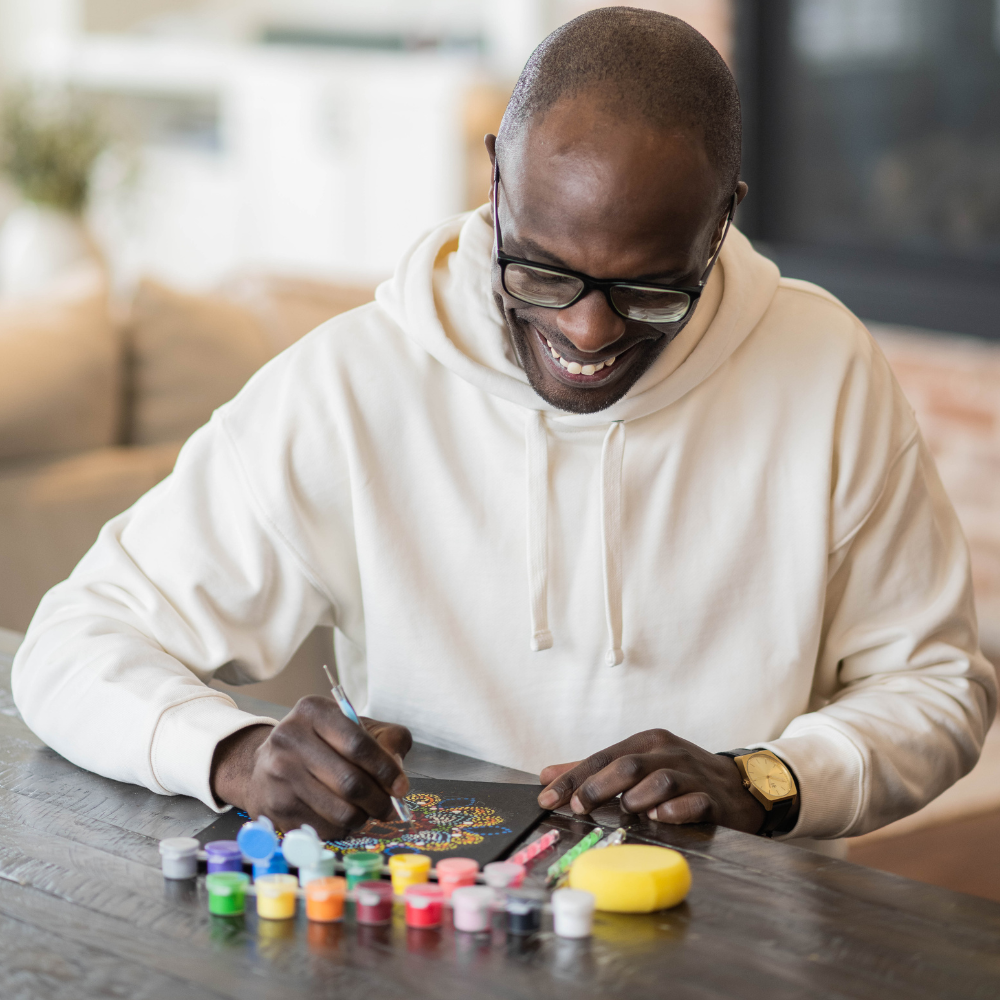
{"points": [[718, 249]]}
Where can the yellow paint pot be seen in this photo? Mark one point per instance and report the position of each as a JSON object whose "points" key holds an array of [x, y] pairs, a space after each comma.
{"points": [[276, 896], [632, 878], [407, 870]]}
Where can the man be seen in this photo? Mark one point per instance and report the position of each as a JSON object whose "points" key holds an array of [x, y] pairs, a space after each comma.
{"points": [[735, 536]]}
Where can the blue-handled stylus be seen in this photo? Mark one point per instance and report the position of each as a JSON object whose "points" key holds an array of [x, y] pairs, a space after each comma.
{"points": [[344, 704]]}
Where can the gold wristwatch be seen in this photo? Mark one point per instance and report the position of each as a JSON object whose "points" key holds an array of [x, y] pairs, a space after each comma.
{"points": [[768, 779]]}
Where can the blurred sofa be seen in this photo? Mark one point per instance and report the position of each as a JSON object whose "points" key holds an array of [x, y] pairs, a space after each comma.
{"points": [[95, 403]]}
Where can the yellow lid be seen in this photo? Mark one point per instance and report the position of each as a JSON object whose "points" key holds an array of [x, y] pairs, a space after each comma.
{"points": [[632, 878], [409, 862]]}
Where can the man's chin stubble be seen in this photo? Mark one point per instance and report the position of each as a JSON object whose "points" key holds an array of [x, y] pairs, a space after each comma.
{"points": [[584, 399]]}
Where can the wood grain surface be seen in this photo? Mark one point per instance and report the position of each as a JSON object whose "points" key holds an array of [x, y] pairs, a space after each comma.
{"points": [[84, 912]]}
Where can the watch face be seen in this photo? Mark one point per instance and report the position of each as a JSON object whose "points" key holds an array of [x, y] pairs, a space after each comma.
{"points": [[769, 775]]}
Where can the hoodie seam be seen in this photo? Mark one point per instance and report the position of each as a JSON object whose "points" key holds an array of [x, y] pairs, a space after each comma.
{"points": [[270, 526], [903, 449]]}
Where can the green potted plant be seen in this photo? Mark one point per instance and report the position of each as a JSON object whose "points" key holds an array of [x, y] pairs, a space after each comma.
{"points": [[49, 141]]}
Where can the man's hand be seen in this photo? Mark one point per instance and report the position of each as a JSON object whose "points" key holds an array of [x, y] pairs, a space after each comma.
{"points": [[315, 767], [667, 778]]}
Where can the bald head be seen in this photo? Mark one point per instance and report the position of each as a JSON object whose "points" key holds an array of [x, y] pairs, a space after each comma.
{"points": [[647, 66]]}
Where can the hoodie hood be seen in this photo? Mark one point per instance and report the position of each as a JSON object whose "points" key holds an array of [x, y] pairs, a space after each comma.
{"points": [[441, 296]]}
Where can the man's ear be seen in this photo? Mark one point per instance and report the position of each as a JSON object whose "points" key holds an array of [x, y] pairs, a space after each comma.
{"points": [[491, 147]]}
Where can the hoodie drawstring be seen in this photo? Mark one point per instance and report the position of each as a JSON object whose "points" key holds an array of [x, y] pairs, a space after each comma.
{"points": [[537, 449], [612, 454]]}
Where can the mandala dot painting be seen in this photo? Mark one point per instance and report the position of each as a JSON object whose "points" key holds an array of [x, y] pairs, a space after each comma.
{"points": [[438, 824]]}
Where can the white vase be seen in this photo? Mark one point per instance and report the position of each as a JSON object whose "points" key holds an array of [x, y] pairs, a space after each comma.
{"points": [[45, 253]]}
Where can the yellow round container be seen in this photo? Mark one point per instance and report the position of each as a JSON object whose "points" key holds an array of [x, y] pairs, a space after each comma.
{"points": [[632, 878], [276, 895], [407, 870]]}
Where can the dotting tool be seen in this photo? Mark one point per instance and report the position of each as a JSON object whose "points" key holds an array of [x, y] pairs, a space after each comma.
{"points": [[344, 704], [558, 867], [535, 848]]}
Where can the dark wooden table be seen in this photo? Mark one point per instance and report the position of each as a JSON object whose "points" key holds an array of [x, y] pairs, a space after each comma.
{"points": [[84, 912]]}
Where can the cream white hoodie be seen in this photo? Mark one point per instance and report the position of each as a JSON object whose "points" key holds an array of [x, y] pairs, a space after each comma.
{"points": [[751, 549]]}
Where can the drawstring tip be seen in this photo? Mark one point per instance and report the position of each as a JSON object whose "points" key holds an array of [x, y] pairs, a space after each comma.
{"points": [[614, 657], [540, 641]]}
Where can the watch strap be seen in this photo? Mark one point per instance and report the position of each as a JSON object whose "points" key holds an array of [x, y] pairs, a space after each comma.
{"points": [[775, 819], [742, 752]]}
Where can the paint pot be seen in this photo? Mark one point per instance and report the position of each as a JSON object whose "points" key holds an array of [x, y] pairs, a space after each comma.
{"points": [[424, 904], [455, 872], [373, 903], [276, 896], [224, 856], [503, 874], [472, 908], [524, 912], [325, 866], [407, 870], [573, 913], [325, 899], [179, 857], [362, 866], [227, 893], [274, 865]]}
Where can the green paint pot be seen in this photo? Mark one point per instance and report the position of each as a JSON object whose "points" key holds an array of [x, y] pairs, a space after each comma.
{"points": [[227, 893], [362, 866]]}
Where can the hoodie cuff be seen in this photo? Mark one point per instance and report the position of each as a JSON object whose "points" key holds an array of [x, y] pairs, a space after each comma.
{"points": [[828, 771], [184, 743]]}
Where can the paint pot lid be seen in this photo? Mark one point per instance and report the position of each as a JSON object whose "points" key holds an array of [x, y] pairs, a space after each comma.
{"points": [[423, 894], [276, 885], [473, 897], [179, 847], [326, 888], [452, 868], [524, 901], [257, 839], [226, 883], [500, 874], [410, 861], [302, 847], [227, 849], [573, 902], [362, 860]]}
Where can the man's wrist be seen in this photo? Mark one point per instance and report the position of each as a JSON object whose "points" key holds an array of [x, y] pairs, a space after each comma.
{"points": [[233, 764]]}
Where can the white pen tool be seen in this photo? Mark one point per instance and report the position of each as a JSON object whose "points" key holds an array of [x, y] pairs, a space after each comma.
{"points": [[344, 704]]}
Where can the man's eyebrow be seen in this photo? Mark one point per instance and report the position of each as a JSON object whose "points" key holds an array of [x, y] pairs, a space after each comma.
{"points": [[530, 250]]}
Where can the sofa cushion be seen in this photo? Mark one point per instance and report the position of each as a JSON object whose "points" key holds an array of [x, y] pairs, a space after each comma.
{"points": [[186, 355], [60, 377]]}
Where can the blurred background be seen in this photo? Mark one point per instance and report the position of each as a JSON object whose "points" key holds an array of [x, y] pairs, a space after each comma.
{"points": [[189, 186]]}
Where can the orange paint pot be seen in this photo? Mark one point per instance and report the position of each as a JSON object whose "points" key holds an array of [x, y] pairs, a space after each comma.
{"points": [[325, 899]]}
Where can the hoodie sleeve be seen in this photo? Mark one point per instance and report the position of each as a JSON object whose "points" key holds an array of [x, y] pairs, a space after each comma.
{"points": [[903, 697], [113, 671]]}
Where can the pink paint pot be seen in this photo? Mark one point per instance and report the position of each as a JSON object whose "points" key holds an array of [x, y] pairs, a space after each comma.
{"points": [[373, 903], [503, 874], [424, 905], [472, 908], [455, 872]]}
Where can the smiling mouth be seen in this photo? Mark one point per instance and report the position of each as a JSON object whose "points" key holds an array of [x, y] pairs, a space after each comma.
{"points": [[576, 372]]}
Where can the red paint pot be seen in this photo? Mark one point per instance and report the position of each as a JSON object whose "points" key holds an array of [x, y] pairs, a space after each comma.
{"points": [[373, 902], [424, 904], [455, 872]]}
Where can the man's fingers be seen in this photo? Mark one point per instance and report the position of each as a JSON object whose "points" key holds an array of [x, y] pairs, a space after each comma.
{"points": [[693, 807], [352, 742], [619, 776], [398, 741], [560, 790], [659, 786], [331, 816], [550, 773]]}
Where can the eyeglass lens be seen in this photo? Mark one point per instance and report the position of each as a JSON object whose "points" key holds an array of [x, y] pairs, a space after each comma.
{"points": [[552, 290]]}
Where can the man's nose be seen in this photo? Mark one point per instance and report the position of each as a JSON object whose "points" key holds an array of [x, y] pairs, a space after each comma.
{"points": [[591, 324]]}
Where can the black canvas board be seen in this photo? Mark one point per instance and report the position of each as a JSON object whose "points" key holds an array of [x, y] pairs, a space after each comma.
{"points": [[482, 820]]}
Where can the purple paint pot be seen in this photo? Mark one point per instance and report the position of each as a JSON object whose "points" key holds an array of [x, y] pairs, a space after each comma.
{"points": [[224, 856]]}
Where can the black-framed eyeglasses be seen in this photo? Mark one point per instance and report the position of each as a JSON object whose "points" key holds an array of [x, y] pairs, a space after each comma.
{"points": [[559, 288]]}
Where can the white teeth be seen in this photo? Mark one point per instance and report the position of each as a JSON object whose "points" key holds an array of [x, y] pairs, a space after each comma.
{"points": [[610, 362], [597, 368], [549, 342], [588, 370], [574, 368]]}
